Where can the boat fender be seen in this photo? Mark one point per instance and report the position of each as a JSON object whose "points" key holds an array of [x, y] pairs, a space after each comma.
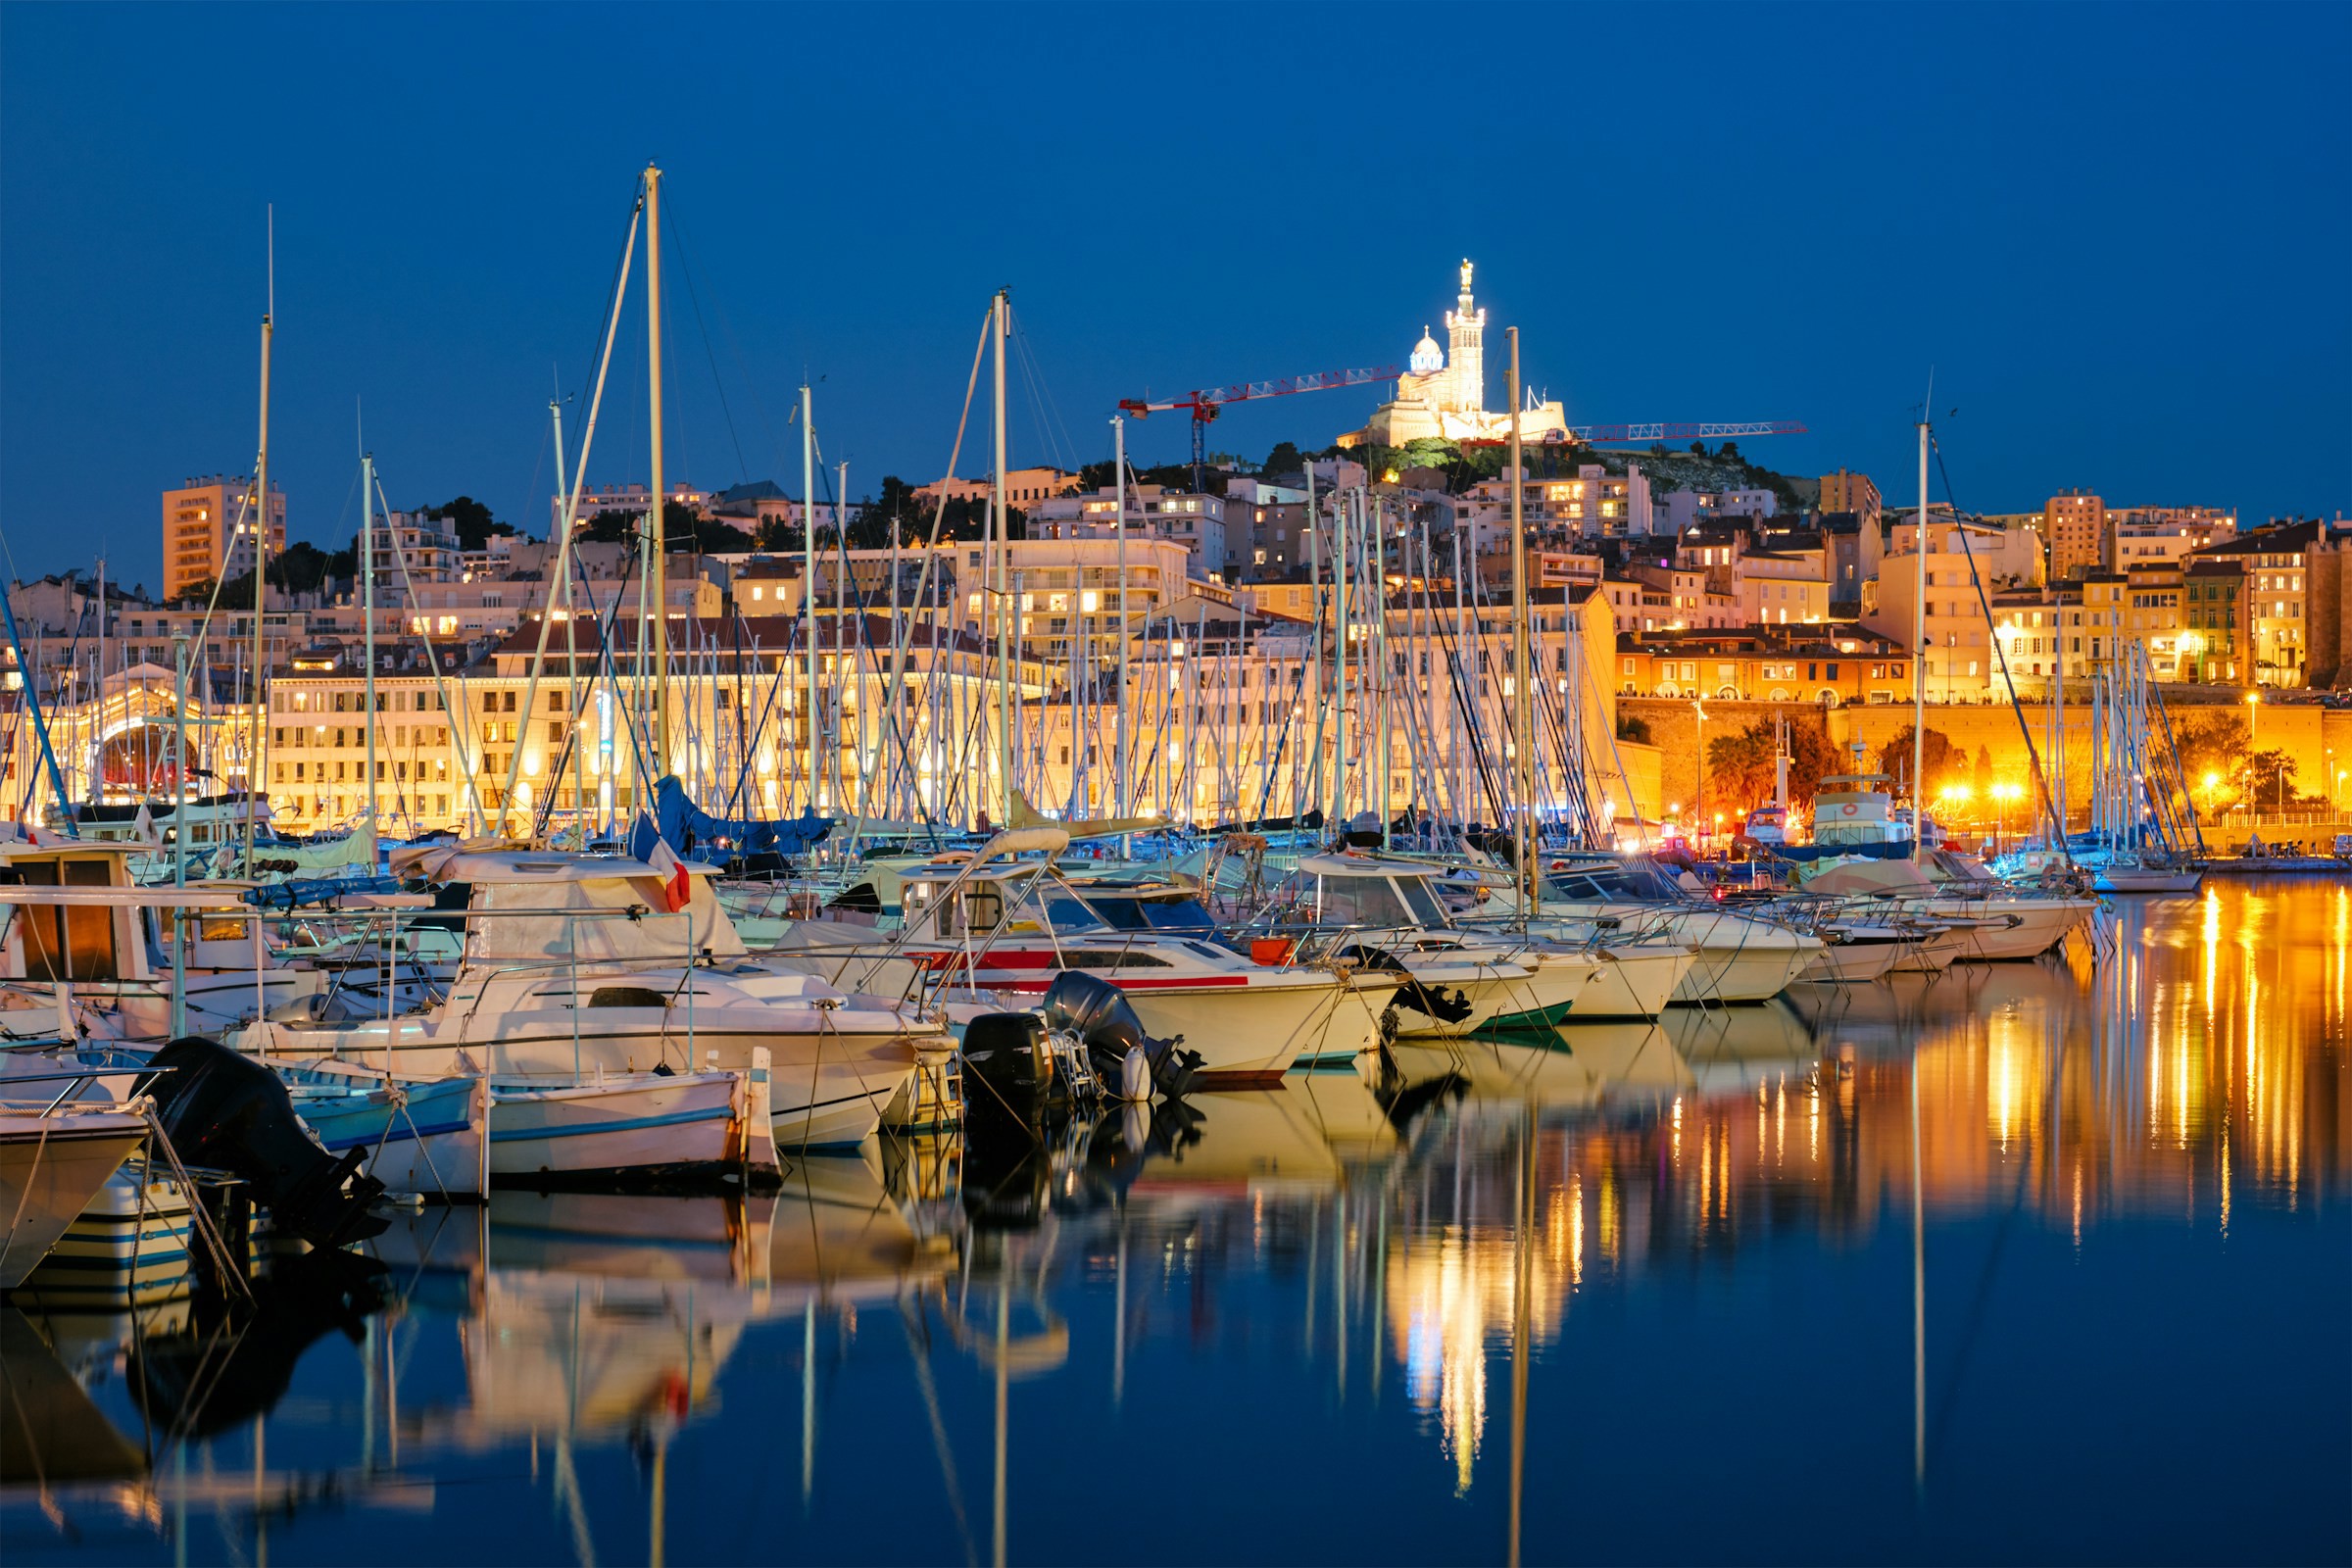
{"points": [[1135, 1077]]}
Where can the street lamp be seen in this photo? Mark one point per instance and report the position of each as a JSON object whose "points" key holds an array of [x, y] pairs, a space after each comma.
{"points": [[2002, 795]]}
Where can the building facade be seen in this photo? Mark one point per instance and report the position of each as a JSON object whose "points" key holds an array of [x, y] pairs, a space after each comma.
{"points": [[209, 529]]}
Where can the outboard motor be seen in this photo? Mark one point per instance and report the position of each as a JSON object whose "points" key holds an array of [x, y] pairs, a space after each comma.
{"points": [[225, 1110], [1009, 1093], [1097, 1013], [1011, 1071]]}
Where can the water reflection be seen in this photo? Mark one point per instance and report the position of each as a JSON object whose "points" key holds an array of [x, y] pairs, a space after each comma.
{"points": [[1466, 1276]]}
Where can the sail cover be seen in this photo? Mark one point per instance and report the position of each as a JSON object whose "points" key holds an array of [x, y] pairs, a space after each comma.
{"points": [[689, 829]]}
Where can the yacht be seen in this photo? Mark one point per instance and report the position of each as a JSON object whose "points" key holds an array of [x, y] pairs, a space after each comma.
{"points": [[1737, 956], [574, 968], [1005, 927]]}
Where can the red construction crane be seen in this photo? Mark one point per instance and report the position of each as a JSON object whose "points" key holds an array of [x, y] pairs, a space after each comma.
{"points": [[1205, 405]]}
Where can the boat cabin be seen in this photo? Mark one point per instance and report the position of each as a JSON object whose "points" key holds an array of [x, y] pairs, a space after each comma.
{"points": [[1350, 889], [555, 907], [1854, 808], [77, 943]]}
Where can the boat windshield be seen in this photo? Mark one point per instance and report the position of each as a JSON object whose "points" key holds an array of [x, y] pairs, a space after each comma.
{"points": [[1426, 906], [1614, 882], [1151, 915], [1059, 909], [1363, 901]]}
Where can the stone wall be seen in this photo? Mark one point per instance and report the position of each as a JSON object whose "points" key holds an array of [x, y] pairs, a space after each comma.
{"points": [[2319, 739]]}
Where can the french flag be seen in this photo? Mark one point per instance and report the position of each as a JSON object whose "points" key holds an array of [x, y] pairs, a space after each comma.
{"points": [[677, 890]]}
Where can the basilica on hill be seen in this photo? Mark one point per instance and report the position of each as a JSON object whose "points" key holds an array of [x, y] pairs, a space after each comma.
{"points": [[1443, 398]]}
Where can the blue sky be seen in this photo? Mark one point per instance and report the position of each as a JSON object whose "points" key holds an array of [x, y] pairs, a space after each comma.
{"points": [[2117, 234]]}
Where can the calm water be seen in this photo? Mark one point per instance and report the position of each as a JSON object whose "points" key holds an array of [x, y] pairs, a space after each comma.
{"points": [[2021, 1263]]}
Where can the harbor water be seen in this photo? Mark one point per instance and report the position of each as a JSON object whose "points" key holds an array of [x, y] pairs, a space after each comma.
{"points": [[2021, 1262]]}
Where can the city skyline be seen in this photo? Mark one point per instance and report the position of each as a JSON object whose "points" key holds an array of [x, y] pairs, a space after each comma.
{"points": [[2145, 306]]}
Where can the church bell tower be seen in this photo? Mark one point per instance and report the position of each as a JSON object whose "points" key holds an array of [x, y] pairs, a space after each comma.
{"points": [[1466, 329]]}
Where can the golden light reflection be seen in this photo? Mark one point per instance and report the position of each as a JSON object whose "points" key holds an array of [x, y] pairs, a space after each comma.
{"points": [[2163, 1084]]}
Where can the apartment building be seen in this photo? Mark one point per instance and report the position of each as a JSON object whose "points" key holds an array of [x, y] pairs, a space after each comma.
{"points": [[209, 530], [1765, 664], [2074, 525], [2245, 599], [1853, 493], [2140, 537], [1154, 511]]}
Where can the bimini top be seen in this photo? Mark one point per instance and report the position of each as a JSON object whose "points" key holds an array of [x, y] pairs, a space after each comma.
{"points": [[492, 860], [1354, 863]]}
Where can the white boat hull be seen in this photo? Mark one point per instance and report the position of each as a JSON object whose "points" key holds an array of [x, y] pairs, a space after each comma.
{"points": [[639, 1126], [1633, 983], [2022, 928], [49, 1168]]}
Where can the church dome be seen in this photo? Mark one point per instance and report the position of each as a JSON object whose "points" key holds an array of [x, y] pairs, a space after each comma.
{"points": [[1428, 359]]}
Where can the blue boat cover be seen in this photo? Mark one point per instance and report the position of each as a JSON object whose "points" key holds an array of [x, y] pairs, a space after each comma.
{"points": [[295, 893], [677, 819]]}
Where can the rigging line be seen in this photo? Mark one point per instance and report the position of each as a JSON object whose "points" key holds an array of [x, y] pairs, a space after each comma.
{"points": [[686, 266], [613, 288], [2008, 678], [1055, 433]]}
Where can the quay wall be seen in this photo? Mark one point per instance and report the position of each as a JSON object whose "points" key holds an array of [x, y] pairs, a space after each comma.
{"points": [[2318, 740]]}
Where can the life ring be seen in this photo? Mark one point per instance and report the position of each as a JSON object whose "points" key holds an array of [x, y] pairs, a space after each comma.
{"points": [[1847, 809]]}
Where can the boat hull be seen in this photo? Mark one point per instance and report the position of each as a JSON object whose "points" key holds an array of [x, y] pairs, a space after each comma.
{"points": [[50, 1169]]}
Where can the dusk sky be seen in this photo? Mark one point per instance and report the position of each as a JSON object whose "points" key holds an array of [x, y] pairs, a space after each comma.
{"points": [[2120, 236]]}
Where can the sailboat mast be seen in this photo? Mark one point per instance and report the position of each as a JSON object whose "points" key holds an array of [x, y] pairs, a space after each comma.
{"points": [[1118, 479], [97, 775], [259, 511], [1522, 708], [656, 573], [1919, 642], [1380, 676], [1004, 604], [1339, 665], [809, 588], [572, 658], [367, 615]]}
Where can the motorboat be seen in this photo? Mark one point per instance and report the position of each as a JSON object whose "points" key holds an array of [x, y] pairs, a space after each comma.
{"points": [[1736, 955], [55, 1156], [1006, 926], [108, 955], [575, 966], [1502, 979]]}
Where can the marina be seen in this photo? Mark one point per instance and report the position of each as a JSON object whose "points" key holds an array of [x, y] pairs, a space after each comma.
{"points": [[797, 872]]}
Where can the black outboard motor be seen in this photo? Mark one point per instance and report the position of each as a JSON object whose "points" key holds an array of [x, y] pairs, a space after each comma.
{"points": [[1011, 1091], [1097, 1013], [1010, 1071], [224, 1110]]}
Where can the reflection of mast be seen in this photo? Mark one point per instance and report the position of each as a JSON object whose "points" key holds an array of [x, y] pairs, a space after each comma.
{"points": [[1919, 1300], [1003, 1308], [1519, 1321]]}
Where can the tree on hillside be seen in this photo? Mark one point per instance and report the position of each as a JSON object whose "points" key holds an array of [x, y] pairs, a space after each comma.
{"points": [[1944, 764], [1284, 459], [472, 520], [610, 526]]}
